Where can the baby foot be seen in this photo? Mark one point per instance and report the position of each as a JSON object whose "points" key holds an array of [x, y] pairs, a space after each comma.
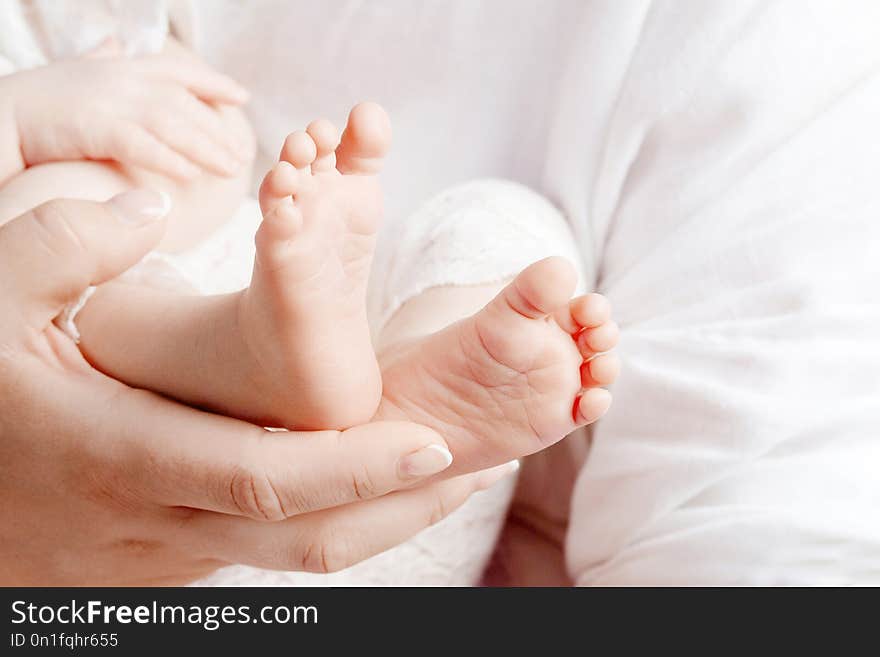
{"points": [[515, 377], [303, 319]]}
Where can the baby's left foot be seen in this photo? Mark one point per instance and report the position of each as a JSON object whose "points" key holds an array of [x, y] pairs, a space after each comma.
{"points": [[303, 318], [514, 378]]}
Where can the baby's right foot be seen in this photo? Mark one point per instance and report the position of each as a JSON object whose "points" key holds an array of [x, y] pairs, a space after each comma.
{"points": [[517, 376], [303, 319]]}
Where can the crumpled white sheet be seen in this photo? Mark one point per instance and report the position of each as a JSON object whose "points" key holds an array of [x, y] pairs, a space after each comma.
{"points": [[734, 202], [35, 32]]}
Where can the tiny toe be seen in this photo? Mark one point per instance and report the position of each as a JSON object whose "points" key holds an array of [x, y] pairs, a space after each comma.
{"points": [[595, 340], [279, 226], [299, 149], [278, 184], [600, 371], [541, 288], [365, 141], [566, 322], [591, 405], [590, 310], [326, 138]]}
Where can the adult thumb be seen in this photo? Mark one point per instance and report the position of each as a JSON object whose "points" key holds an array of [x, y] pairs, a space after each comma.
{"points": [[51, 254]]}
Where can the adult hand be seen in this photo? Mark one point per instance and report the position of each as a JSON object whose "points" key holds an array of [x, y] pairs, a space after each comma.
{"points": [[103, 484], [159, 112]]}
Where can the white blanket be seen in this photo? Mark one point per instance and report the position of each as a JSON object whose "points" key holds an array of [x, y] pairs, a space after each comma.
{"points": [[736, 206]]}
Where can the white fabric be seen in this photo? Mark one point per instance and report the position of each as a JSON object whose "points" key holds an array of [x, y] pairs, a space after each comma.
{"points": [[736, 201], [35, 32], [717, 162], [483, 230]]}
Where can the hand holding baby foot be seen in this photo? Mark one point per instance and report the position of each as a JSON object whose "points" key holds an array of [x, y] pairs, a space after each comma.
{"points": [[292, 350]]}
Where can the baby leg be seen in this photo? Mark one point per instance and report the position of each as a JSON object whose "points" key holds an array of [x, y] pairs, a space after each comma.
{"points": [[520, 373], [293, 349]]}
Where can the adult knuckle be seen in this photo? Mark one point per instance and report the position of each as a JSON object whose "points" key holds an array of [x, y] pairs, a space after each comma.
{"points": [[254, 494], [302, 556], [361, 483], [325, 553], [56, 232], [439, 508], [364, 484]]}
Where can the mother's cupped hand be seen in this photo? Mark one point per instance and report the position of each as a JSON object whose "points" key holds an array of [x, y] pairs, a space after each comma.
{"points": [[104, 484]]}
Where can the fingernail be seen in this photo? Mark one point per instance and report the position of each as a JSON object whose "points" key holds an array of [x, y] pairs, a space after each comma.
{"points": [[492, 476], [427, 461], [140, 206]]}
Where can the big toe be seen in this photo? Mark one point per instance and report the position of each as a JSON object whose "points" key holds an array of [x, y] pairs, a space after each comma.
{"points": [[541, 288], [365, 141]]}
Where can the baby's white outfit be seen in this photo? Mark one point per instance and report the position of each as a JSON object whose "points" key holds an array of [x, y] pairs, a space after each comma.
{"points": [[717, 165]]}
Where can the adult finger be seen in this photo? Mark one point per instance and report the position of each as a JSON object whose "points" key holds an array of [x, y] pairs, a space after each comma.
{"points": [[191, 129], [52, 253], [133, 144], [333, 539], [210, 120], [179, 457], [198, 77]]}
